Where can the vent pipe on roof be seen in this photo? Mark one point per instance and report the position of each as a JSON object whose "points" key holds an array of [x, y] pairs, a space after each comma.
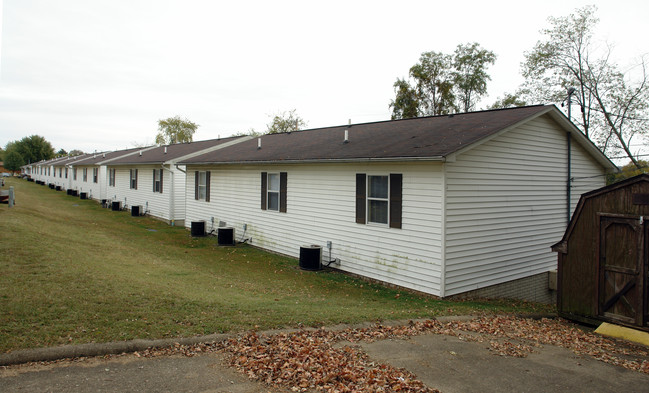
{"points": [[258, 143], [349, 124], [165, 149], [140, 152]]}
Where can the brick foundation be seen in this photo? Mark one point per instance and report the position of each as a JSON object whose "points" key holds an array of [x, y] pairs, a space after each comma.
{"points": [[533, 288]]}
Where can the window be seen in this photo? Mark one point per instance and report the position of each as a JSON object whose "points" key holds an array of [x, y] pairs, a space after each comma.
{"points": [[85, 174], [133, 177], [379, 199], [111, 177], [273, 191], [157, 180], [66, 172], [60, 172], [202, 186], [74, 174], [95, 175]]}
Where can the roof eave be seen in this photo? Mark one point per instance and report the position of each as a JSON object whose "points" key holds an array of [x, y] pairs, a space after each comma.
{"points": [[322, 161]]}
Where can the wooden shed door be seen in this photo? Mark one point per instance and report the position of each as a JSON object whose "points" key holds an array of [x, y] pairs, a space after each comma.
{"points": [[622, 271]]}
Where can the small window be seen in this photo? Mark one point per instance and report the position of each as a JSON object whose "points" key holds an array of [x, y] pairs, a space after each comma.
{"points": [[273, 192], [377, 199], [157, 180], [111, 177], [133, 177], [95, 175], [66, 172], [85, 174], [202, 186], [74, 174]]}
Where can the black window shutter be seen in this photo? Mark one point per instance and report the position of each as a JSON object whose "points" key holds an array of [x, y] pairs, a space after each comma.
{"points": [[136, 179], [360, 197], [396, 185], [154, 173], [207, 186], [283, 177], [161, 172], [196, 185], [264, 186]]}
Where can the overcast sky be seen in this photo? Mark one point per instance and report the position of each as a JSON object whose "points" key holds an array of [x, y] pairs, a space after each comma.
{"points": [[98, 75]]}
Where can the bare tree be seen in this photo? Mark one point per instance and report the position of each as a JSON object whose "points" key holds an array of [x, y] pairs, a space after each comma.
{"points": [[614, 108]]}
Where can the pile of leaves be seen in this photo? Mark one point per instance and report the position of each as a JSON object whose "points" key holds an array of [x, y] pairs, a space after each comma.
{"points": [[309, 360]]}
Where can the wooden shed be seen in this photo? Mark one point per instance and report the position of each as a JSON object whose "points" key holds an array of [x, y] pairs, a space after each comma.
{"points": [[602, 268]]}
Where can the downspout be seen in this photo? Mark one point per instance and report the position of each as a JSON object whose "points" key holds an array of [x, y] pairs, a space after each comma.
{"points": [[171, 196], [571, 91], [569, 180]]}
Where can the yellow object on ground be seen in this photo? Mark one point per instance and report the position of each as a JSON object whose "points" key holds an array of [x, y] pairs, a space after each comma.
{"points": [[625, 333]]}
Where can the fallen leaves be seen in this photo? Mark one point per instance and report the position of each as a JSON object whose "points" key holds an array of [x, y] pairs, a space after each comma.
{"points": [[308, 360], [330, 361]]}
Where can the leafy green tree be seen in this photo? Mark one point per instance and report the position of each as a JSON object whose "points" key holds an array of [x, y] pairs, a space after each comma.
{"points": [[31, 149], [406, 104], [614, 108], [2, 154], [175, 130], [76, 152], [508, 101], [61, 153], [434, 84], [627, 171], [285, 122], [440, 84], [470, 77], [13, 160]]}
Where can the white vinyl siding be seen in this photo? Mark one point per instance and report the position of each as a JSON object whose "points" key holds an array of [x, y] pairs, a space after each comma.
{"points": [[321, 207], [88, 186], [506, 205], [586, 173], [160, 205]]}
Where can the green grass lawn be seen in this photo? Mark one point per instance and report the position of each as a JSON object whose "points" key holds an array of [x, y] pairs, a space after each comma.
{"points": [[73, 272]]}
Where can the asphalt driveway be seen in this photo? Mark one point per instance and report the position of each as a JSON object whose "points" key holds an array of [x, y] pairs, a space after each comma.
{"points": [[445, 362]]}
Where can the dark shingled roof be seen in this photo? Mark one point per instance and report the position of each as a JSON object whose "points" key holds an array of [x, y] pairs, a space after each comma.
{"points": [[157, 155], [96, 158], [424, 137]]}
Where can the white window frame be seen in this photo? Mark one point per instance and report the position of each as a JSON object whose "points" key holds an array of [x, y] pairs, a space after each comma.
{"points": [[270, 191], [95, 175], [157, 180], [85, 175], [370, 199], [133, 179], [111, 177], [202, 185]]}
